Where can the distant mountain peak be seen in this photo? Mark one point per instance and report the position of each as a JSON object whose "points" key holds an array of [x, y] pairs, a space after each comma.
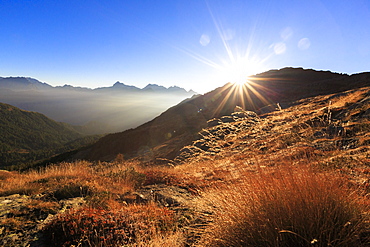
{"points": [[154, 87], [172, 89], [120, 85], [22, 83]]}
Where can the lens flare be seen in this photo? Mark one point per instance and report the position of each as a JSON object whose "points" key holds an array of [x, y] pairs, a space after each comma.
{"points": [[236, 61]]}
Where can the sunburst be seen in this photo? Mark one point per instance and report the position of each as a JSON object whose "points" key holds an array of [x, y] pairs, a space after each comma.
{"points": [[237, 67]]}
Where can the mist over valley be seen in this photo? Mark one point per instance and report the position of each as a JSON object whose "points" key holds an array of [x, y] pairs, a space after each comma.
{"points": [[92, 111]]}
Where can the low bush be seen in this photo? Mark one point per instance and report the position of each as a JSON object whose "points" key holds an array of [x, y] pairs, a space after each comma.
{"points": [[99, 227]]}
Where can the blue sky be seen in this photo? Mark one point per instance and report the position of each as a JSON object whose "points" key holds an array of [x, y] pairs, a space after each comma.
{"points": [[195, 44]]}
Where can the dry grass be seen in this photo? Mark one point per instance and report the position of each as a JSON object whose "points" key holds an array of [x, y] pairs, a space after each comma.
{"points": [[288, 207], [67, 180], [134, 225], [261, 187], [104, 187]]}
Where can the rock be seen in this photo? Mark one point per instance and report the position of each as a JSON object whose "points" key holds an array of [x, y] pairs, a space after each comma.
{"points": [[244, 114], [140, 198], [74, 203], [164, 200], [168, 196]]}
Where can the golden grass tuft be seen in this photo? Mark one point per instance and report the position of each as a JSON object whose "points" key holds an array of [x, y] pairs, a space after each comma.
{"points": [[288, 207], [71, 180], [134, 225]]}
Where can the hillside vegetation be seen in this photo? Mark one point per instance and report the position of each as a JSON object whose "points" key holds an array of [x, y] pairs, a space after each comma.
{"points": [[296, 176], [166, 134], [27, 137]]}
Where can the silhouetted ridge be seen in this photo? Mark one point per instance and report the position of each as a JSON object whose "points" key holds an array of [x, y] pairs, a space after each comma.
{"points": [[166, 134]]}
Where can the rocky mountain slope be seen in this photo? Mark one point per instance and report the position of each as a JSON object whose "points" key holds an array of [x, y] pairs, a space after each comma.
{"points": [[165, 135]]}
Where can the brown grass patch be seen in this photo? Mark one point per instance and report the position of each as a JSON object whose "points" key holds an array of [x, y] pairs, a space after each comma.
{"points": [[135, 224], [288, 207]]}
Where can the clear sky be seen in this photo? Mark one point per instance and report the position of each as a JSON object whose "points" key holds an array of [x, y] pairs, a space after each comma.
{"points": [[195, 44]]}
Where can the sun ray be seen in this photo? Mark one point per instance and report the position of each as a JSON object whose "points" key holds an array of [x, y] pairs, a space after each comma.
{"points": [[221, 33], [237, 66], [200, 58]]}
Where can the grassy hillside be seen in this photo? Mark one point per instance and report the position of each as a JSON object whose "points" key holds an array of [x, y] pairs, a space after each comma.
{"points": [[297, 176], [26, 136], [165, 135]]}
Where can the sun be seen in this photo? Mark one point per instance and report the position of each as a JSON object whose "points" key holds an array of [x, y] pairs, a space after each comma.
{"points": [[239, 71], [240, 83]]}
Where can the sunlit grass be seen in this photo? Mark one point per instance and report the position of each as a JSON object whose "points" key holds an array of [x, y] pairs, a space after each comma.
{"points": [[288, 207], [115, 178], [125, 226], [270, 187]]}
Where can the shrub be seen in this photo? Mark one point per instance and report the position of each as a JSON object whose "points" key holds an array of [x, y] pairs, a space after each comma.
{"points": [[98, 227], [289, 208]]}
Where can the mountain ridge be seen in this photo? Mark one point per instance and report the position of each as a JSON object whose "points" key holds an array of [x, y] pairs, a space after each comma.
{"points": [[26, 83], [163, 136], [27, 137]]}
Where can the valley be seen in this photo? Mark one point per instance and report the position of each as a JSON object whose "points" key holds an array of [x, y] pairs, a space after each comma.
{"points": [[93, 111]]}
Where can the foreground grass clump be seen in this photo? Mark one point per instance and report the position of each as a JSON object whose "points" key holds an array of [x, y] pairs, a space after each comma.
{"points": [[135, 224], [289, 208]]}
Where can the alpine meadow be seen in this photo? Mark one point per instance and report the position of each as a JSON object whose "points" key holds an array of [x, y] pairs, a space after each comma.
{"points": [[184, 123]]}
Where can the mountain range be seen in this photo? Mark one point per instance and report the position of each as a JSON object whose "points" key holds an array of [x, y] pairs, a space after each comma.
{"points": [[100, 110]]}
